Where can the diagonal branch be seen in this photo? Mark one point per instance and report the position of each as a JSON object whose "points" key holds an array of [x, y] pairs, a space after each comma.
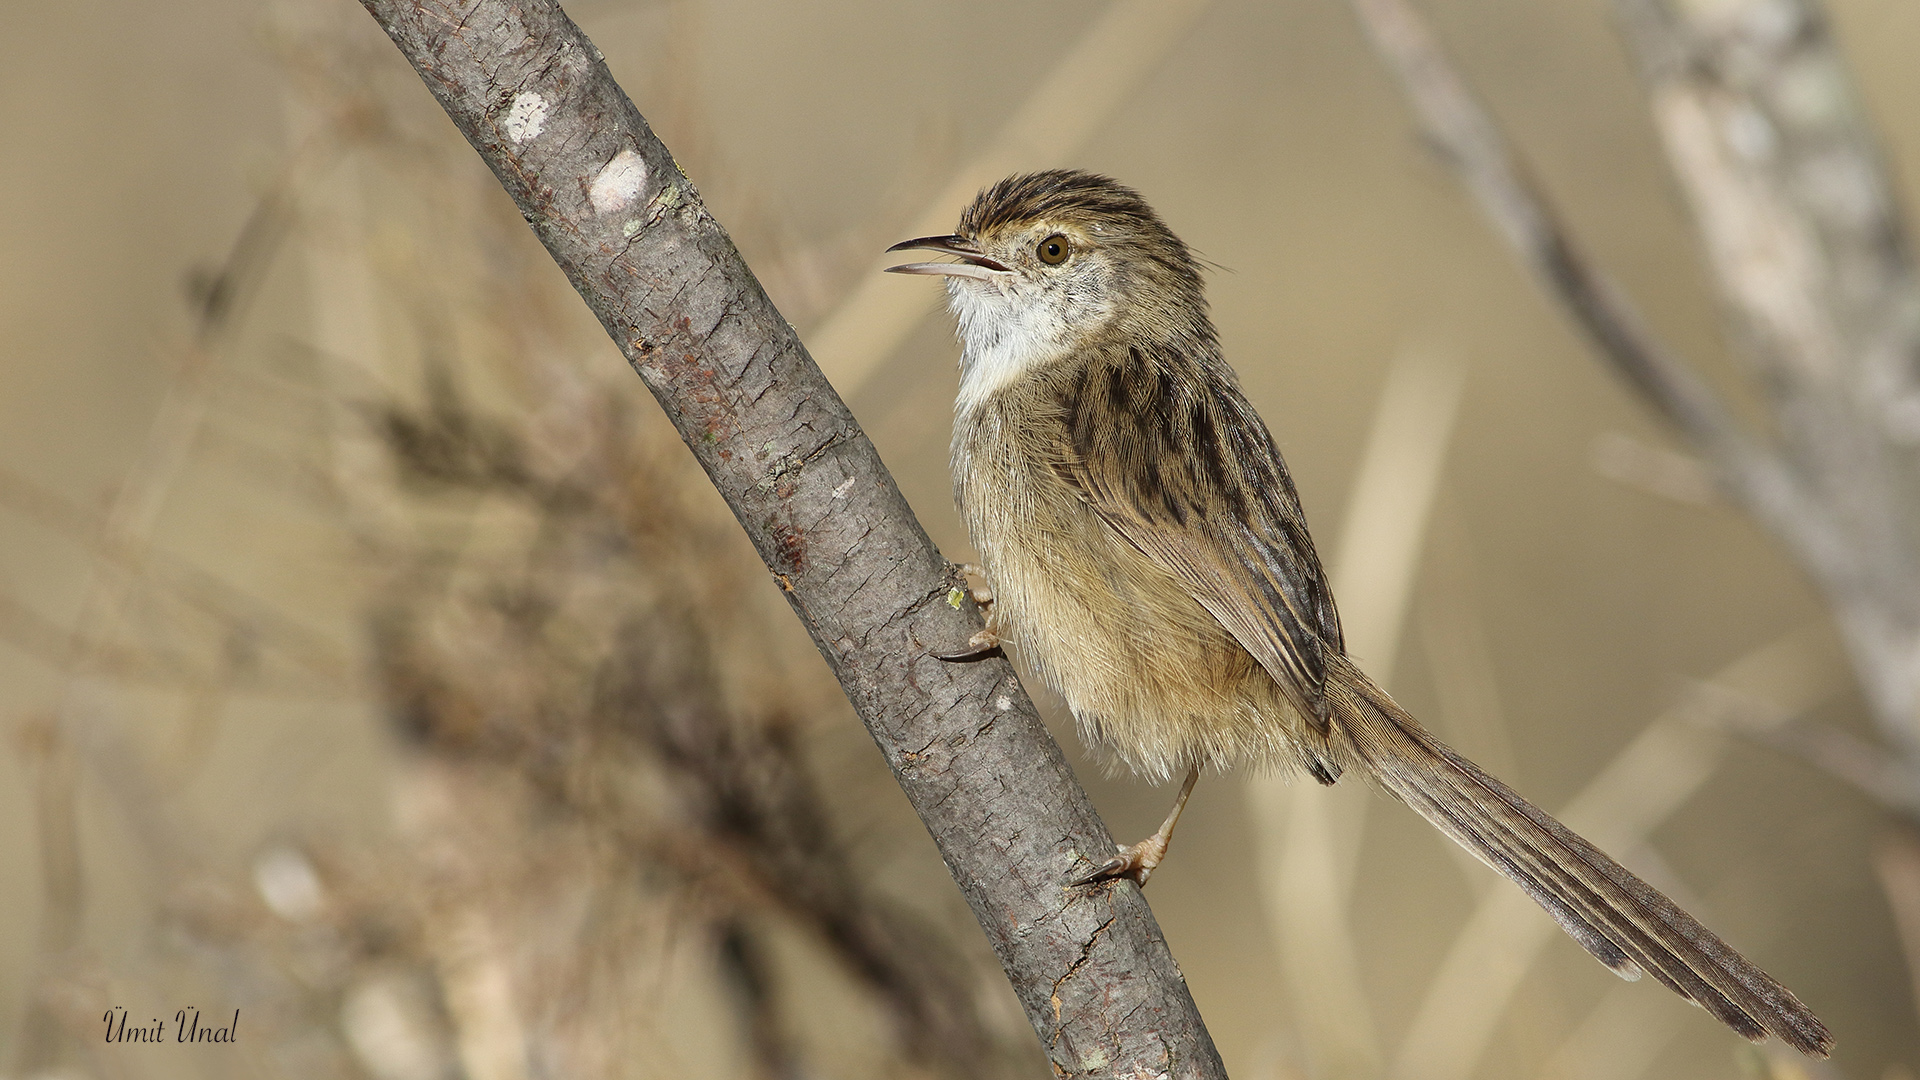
{"points": [[532, 95]]}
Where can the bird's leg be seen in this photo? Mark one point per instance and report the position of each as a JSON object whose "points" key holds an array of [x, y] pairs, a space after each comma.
{"points": [[985, 643], [1137, 862]]}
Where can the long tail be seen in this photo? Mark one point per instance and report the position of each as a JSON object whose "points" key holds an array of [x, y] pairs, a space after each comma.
{"points": [[1624, 922]]}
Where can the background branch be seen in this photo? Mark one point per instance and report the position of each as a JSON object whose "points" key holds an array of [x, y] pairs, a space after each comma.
{"points": [[531, 94], [1760, 128]]}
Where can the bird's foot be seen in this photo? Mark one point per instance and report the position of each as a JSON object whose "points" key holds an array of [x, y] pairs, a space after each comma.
{"points": [[980, 646], [983, 593], [1134, 863]]}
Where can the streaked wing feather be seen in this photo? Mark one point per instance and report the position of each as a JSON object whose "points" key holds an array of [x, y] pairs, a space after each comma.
{"points": [[1184, 470]]}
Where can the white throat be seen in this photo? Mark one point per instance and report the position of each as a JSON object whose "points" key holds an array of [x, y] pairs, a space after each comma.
{"points": [[1003, 336]]}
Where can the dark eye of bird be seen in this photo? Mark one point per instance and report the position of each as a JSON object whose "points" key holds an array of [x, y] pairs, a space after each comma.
{"points": [[1053, 250]]}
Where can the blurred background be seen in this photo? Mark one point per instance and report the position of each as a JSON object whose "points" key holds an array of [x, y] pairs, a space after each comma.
{"points": [[373, 660]]}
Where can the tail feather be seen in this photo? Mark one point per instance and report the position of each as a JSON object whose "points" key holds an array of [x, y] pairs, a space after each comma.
{"points": [[1624, 922]]}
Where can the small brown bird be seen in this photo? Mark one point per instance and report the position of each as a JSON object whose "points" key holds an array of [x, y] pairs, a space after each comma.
{"points": [[1147, 556]]}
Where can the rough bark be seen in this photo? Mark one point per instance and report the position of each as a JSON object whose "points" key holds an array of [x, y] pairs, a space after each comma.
{"points": [[534, 97]]}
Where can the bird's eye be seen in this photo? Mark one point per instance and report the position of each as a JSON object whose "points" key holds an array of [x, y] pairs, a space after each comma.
{"points": [[1053, 250]]}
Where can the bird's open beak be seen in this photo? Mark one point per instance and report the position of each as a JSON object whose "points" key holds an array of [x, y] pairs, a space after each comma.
{"points": [[975, 265]]}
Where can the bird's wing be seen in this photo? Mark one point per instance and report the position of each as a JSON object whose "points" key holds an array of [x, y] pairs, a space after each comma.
{"points": [[1178, 463]]}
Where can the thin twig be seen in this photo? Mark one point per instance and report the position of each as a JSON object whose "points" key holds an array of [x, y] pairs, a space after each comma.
{"points": [[1868, 769], [239, 612]]}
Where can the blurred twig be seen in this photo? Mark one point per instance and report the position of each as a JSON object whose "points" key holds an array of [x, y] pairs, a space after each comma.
{"points": [[1390, 506], [1778, 162], [1656, 470], [56, 768], [1453, 638], [1470, 141], [745, 961], [124, 532], [1619, 1039], [323, 670], [621, 590], [1779, 165], [1751, 99], [1846, 757]]}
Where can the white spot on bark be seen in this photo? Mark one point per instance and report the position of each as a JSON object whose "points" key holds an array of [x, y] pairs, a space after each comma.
{"points": [[840, 491], [1003, 703], [525, 117], [619, 183]]}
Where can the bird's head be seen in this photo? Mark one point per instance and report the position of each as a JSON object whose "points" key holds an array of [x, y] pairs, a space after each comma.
{"points": [[1053, 261]]}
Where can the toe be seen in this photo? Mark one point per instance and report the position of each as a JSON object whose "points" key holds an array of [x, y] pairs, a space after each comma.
{"points": [[1113, 868], [980, 646], [1134, 863]]}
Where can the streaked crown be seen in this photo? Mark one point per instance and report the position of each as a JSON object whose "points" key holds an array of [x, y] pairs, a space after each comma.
{"points": [[1111, 213]]}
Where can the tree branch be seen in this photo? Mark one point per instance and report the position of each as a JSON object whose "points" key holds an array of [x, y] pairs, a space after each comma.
{"points": [[533, 96]]}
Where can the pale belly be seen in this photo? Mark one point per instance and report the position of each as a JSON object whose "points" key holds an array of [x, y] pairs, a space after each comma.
{"points": [[1146, 670]]}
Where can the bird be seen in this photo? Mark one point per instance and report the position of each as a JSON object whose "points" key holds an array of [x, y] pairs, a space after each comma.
{"points": [[1144, 552]]}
